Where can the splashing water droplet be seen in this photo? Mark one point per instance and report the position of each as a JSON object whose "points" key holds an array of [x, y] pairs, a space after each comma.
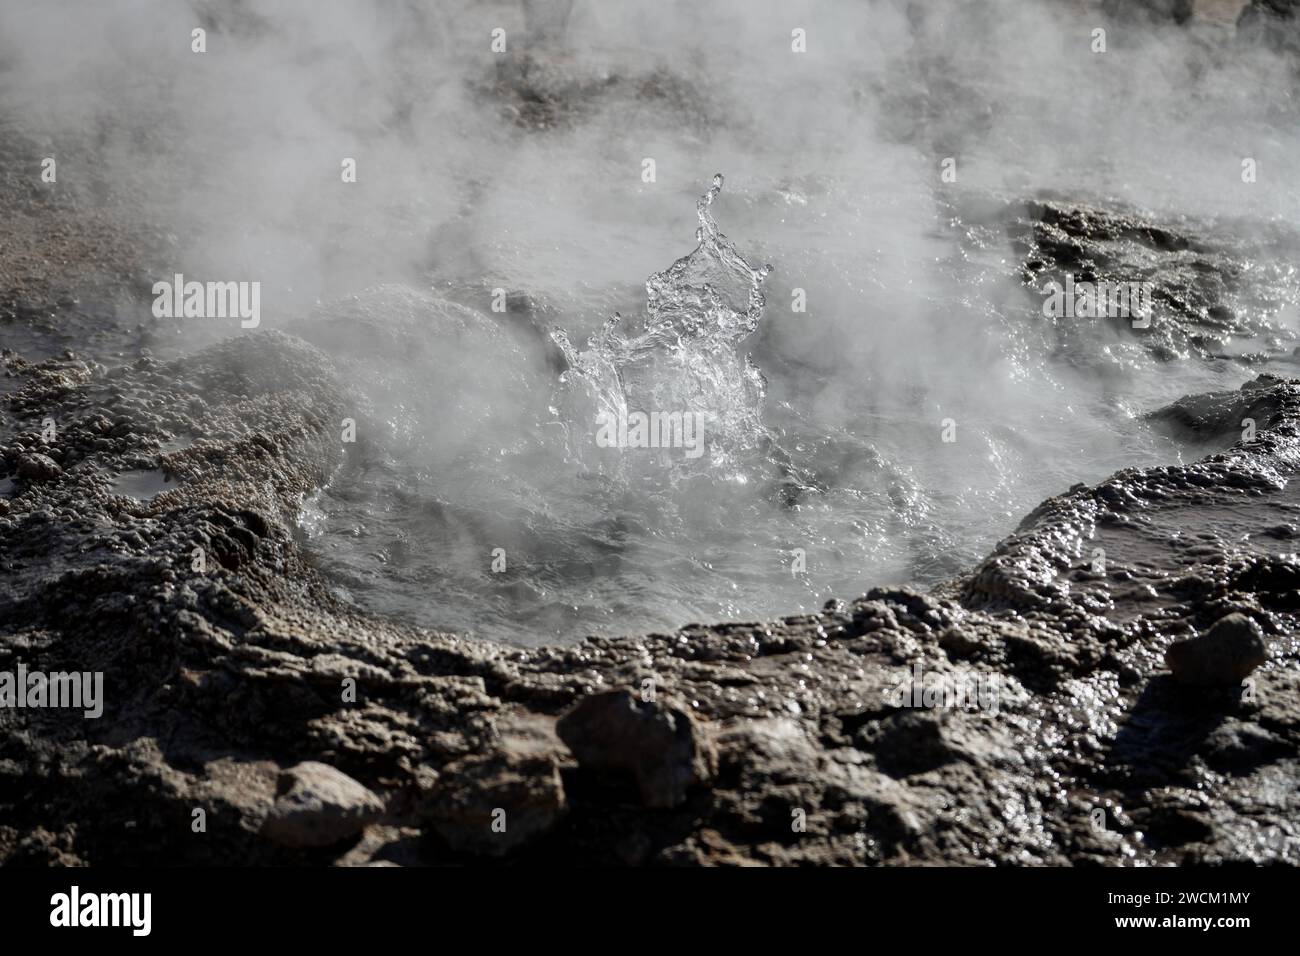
{"points": [[685, 356]]}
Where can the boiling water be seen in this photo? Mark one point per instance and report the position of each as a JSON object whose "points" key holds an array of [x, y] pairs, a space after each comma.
{"points": [[492, 504]]}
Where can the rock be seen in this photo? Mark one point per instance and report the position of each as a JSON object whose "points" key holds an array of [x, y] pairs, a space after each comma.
{"points": [[1217, 415], [318, 805], [1239, 745], [658, 742], [1225, 654], [37, 467], [958, 643], [489, 804]]}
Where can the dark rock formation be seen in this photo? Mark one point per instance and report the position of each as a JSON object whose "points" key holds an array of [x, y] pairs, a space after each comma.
{"points": [[659, 743], [492, 803], [38, 467], [1201, 307], [1225, 654]]}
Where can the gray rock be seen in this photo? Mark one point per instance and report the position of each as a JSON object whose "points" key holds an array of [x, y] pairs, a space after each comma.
{"points": [[489, 804], [1225, 654], [37, 467], [659, 743], [318, 805]]}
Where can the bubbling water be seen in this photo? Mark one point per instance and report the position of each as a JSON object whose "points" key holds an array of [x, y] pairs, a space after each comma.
{"points": [[683, 361]]}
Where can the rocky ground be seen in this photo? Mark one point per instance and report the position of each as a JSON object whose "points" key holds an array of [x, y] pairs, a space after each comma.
{"points": [[1140, 638]]}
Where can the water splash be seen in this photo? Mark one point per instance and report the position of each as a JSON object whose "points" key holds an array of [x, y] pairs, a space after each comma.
{"points": [[683, 357]]}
